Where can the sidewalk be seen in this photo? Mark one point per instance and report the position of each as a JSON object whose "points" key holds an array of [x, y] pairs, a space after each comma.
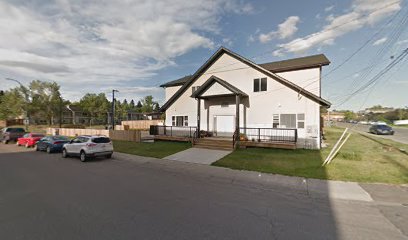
{"points": [[315, 188]]}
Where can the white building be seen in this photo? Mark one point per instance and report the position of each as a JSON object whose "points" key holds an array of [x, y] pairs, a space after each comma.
{"points": [[230, 93]]}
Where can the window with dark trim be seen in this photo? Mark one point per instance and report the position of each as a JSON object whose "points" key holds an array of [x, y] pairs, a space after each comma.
{"points": [[260, 85]]}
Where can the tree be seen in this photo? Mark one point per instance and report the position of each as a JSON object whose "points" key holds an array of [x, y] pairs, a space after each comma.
{"points": [[157, 107], [45, 100], [132, 105], [96, 105], [349, 115], [148, 104], [139, 106], [12, 104]]}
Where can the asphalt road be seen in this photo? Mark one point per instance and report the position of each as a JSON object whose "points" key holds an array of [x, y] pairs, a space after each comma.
{"points": [[43, 196], [400, 135]]}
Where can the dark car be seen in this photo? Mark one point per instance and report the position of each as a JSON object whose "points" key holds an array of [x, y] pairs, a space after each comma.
{"points": [[11, 134], [381, 129], [51, 144]]}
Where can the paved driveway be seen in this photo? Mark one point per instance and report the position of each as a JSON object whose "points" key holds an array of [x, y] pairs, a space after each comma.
{"points": [[199, 155]]}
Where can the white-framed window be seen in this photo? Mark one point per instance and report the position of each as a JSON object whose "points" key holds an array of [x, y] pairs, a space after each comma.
{"points": [[289, 120], [179, 121], [260, 84], [300, 120], [195, 88], [275, 123]]}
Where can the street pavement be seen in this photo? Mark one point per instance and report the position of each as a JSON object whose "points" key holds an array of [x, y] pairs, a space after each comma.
{"points": [[400, 135], [44, 196]]}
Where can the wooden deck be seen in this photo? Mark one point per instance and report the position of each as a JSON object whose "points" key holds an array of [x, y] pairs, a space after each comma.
{"points": [[172, 138], [267, 144]]}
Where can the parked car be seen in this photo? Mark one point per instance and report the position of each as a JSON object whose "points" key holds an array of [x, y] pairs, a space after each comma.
{"points": [[87, 146], [11, 134], [381, 129], [51, 144], [29, 139]]}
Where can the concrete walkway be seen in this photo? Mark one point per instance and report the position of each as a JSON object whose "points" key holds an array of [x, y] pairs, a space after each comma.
{"points": [[198, 155]]}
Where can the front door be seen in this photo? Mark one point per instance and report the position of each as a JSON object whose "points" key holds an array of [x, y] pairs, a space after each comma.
{"points": [[224, 125]]}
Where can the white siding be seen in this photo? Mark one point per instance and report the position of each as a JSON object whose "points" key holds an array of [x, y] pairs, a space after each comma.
{"points": [[260, 106]]}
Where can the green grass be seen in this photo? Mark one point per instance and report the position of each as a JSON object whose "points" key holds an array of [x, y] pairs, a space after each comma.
{"points": [[361, 160], [158, 149]]}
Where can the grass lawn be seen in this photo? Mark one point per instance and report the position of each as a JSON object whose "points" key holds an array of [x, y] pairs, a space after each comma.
{"points": [[360, 160], [158, 149]]}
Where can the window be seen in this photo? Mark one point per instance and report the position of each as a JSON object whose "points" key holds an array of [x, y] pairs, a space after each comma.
{"points": [[256, 85], [288, 120], [195, 88], [186, 121], [275, 123], [179, 121], [260, 85], [301, 120]]}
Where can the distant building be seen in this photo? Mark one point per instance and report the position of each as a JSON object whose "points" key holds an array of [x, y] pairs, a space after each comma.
{"points": [[333, 116]]}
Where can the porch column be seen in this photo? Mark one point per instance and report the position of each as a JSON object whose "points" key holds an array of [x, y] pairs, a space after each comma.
{"points": [[237, 102], [198, 116]]}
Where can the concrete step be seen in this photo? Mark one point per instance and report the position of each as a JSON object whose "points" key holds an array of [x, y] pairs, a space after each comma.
{"points": [[214, 147]]}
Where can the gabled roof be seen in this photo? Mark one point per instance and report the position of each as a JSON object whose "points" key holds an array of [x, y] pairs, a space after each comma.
{"points": [[177, 82], [297, 63], [278, 66], [213, 79], [238, 57]]}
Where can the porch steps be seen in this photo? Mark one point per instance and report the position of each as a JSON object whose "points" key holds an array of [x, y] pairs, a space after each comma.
{"points": [[213, 144]]}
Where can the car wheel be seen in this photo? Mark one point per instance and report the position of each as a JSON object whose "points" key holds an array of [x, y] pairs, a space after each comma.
{"points": [[109, 156], [18, 144], [26, 145], [5, 141], [36, 148], [82, 156], [64, 153], [49, 150]]}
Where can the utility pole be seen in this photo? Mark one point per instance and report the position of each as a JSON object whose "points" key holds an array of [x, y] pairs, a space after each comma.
{"points": [[113, 109], [60, 112], [24, 89]]}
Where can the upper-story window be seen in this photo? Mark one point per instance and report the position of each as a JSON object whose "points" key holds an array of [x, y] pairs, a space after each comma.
{"points": [[260, 84], [195, 88]]}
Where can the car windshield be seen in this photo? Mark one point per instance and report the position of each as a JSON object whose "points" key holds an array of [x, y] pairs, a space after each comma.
{"points": [[383, 127], [15, 130], [101, 140], [60, 138]]}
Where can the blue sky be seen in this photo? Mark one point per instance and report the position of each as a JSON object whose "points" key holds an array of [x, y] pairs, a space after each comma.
{"points": [[134, 46]]}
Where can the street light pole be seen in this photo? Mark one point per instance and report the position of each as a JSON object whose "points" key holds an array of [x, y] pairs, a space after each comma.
{"points": [[26, 117], [113, 109]]}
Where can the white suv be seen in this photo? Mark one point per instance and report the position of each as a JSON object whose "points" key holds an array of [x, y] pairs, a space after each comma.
{"points": [[87, 146]]}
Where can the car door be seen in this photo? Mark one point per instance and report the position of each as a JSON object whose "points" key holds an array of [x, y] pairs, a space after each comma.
{"points": [[41, 143], [70, 147], [23, 140]]}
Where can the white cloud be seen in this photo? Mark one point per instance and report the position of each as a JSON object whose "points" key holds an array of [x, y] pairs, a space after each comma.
{"points": [[108, 43], [285, 30], [380, 41], [329, 8], [361, 14], [402, 41]]}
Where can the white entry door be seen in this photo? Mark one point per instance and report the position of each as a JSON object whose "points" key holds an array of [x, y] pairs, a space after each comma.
{"points": [[224, 125]]}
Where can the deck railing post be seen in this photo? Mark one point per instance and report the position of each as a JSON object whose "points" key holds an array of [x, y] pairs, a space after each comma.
{"points": [[259, 134]]}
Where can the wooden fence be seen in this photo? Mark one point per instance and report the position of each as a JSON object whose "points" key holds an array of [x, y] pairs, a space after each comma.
{"points": [[140, 124], [123, 135]]}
